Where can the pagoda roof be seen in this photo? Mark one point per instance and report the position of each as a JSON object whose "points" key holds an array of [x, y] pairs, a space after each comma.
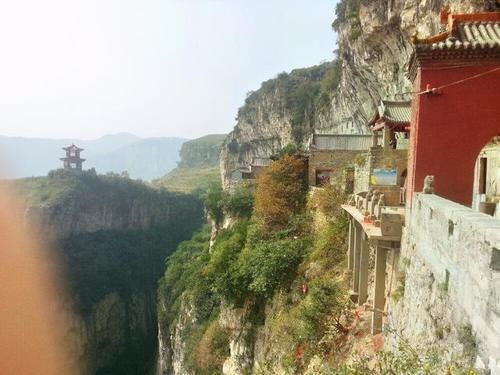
{"points": [[72, 158], [466, 36], [72, 147], [391, 112]]}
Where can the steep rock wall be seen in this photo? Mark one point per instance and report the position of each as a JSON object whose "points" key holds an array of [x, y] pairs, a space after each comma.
{"points": [[201, 152]]}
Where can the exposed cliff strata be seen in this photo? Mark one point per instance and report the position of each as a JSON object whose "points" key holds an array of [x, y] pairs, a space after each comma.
{"points": [[374, 46], [66, 204], [284, 110], [241, 336]]}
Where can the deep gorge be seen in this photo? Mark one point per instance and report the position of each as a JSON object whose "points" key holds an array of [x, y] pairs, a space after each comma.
{"points": [[111, 236]]}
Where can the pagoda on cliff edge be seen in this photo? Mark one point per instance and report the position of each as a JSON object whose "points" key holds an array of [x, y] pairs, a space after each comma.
{"points": [[72, 160]]}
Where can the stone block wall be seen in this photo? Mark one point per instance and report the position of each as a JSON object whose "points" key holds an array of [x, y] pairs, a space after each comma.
{"points": [[336, 160], [452, 290], [377, 157], [362, 170]]}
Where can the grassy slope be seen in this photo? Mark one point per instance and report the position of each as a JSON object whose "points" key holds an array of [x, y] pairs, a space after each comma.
{"points": [[199, 167], [188, 180], [39, 190]]}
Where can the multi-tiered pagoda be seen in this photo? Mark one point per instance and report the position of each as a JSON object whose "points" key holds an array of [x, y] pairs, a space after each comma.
{"points": [[72, 159]]}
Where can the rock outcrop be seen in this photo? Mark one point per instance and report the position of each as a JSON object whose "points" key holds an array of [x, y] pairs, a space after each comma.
{"points": [[201, 152]]}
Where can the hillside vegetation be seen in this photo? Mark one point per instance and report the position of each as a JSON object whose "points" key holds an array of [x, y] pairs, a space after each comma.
{"points": [[198, 168], [274, 288]]}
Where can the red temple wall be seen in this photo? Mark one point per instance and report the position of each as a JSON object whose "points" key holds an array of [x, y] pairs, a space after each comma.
{"points": [[449, 129]]}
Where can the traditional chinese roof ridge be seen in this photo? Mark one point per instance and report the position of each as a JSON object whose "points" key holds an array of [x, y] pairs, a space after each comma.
{"points": [[72, 147], [395, 111], [475, 33], [433, 39], [474, 38], [392, 112]]}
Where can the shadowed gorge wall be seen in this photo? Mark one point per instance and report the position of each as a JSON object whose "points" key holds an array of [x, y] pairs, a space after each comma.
{"points": [[112, 236]]}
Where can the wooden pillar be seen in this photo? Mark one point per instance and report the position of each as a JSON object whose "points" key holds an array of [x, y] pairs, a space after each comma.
{"points": [[363, 271], [375, 139], [358, 232], [387, 137], [379, 292], [350, 252]]}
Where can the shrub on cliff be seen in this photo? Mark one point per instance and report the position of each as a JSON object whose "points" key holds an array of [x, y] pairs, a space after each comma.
{"points": [[328, 200], [183, 268], [239, 202], [409, 361], [281, 193], [213, 203], [223, 262], [267, 265]]}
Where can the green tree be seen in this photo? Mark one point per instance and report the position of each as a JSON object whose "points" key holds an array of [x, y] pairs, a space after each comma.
{"points": [[213, 203]]}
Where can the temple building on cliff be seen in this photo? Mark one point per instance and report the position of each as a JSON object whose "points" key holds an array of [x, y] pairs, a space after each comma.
{"points": [[430, 235], [72, 160]]}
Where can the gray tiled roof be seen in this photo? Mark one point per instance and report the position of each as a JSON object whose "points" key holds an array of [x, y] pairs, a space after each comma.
{"points": [[347, 142], [467, 35], [261, 161], [395, 111]]}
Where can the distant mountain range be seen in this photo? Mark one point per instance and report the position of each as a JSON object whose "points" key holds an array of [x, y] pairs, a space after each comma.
{"points": [[145, 158]]}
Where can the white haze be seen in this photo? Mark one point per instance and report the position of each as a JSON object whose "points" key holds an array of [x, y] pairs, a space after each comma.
{"points": [[81, 69]]}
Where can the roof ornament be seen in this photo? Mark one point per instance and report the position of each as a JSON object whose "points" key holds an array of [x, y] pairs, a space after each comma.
{"points": [[444, 15]]}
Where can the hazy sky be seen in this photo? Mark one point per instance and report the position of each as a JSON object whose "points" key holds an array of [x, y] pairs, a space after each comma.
{"points": [[84, 68]]}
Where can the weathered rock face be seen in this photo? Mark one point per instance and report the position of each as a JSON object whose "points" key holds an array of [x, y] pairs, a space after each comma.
{"points": [[107, 209], [115, 330], [172, 346], [200, 152], [279, 113], [241, 337], [374, 50]]}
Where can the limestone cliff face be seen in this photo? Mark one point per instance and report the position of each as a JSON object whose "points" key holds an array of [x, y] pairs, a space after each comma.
{"points": [[279, 113], [172, 346], [201, 152], [108, 207], [112, 330], [373, 51]]}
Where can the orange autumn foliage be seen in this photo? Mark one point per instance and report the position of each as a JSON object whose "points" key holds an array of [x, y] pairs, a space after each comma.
{"points": [[281, 192]]}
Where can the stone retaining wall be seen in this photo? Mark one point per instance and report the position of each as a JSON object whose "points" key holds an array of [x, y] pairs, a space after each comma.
{"points": [[452, 259]]}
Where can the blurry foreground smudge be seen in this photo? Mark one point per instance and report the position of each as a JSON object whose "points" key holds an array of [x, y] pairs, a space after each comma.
{"points": [[30, 329]]}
